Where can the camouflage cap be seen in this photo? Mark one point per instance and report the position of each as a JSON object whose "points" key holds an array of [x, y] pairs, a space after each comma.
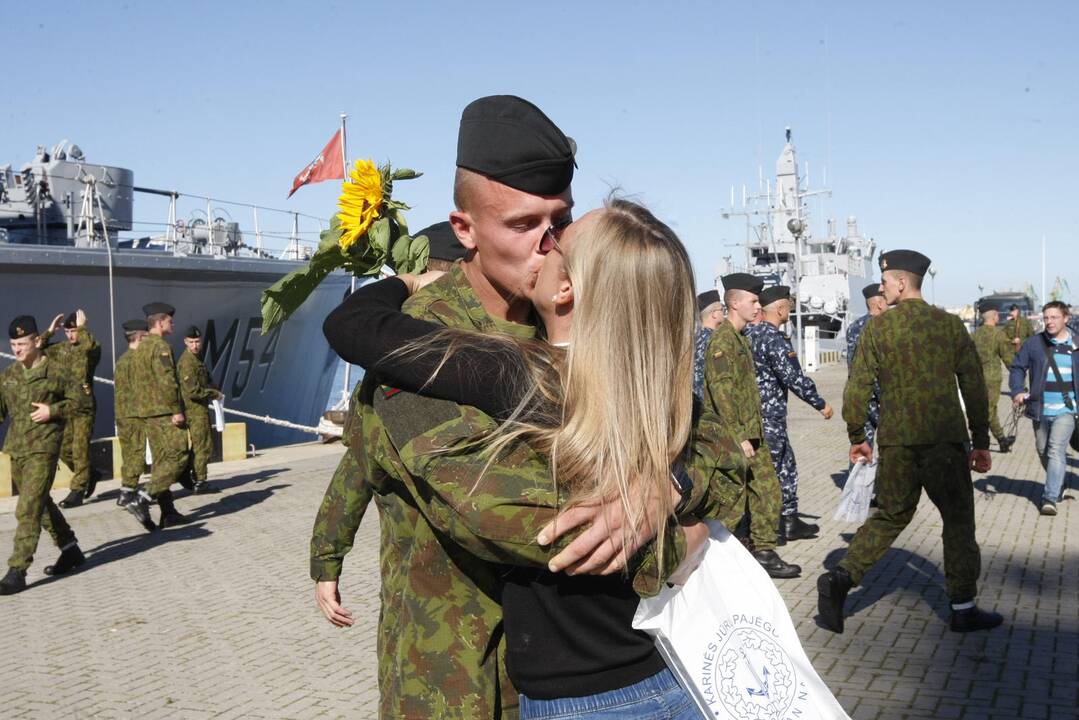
{"points": [[743, 281], [871, 291], [774, 294], [22, 326], [511, 141], [706, 298], [910, 261]]}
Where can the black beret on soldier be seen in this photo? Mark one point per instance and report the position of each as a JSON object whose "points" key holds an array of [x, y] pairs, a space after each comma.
{"points": [[158, 308], [511, 141], [70, 322], [135, 325], [443, 242], [706, 298], [872, 291], [192, 332], [773, 294], [743, 281], [910, 261], [22, 326]]}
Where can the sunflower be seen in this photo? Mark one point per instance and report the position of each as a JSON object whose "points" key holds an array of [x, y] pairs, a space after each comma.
{"points": [[360, 202]]}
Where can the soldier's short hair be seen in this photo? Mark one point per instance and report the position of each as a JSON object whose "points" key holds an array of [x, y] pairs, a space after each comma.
{"points": [[989, 310], [132, 335], [709, 309], [154, 319], [1057, 305], [441, 265], [913, 279]]}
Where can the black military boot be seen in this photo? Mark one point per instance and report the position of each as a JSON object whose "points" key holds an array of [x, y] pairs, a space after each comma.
{"points": [[91, 483], [832, 589], [126, 495], [140, 508], [73, 499], [70, 558], [974, 618], [793, 527], [775, 566], [13, 582], [187, 479], [203, 487], [170, 516]]}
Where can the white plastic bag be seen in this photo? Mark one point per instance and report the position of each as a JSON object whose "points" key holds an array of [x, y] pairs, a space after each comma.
{"points": [[726, 634], [218, 409], [857, 492]]}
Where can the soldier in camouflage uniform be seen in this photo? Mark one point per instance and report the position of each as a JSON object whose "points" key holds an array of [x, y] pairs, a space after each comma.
{"points": [[732, 401], [79, 356], [38, 395], [197, 392], [993, 349], [778, 371], [918, 352], [160, 408], [1017, 329], [875, 304], [129, 427]]}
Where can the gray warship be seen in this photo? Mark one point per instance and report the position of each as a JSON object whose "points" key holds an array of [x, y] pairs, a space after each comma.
{"points": [[826, 274], [66, 242]]}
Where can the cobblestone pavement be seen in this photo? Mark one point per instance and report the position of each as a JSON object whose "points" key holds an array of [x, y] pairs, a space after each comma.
{"points": [[217, 618]]}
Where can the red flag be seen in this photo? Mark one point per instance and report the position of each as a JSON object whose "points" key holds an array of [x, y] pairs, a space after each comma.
{"points": [[329, 165]]}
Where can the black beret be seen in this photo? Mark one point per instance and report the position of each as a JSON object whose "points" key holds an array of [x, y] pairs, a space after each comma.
{"points": [[135, 325], [443, 242], [22, 326], [1013, 306], [774, 294], [743, 281], [192, 333], [871, 291], [70, 322], [706, 298], [511, 141], [158, 308], [910, 261]]}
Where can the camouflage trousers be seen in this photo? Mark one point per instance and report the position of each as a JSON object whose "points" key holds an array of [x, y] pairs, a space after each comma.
{"points": [[759, 494], [779, 445], [200, 435], [132, 435], [75, 449], [992, 389], [32, 476], [168, 446], [902, 472]]}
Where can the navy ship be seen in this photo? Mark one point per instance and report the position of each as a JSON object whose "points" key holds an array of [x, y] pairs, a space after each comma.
{"points": [[66, 242]]}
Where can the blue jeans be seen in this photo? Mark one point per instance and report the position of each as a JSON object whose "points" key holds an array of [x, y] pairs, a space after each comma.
{"points": [[1051, 436], [659, 697]]}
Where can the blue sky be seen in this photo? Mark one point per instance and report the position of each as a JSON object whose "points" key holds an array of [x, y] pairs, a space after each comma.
{"points": [[945, 127]]}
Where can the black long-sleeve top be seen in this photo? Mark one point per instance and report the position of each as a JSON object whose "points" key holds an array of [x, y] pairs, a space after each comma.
{"points": [[566, 636]]}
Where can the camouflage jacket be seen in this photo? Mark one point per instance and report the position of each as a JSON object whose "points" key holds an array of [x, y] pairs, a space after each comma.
{"points": [[731, 395], [79, 360], [123, 391], [917, 352], [778, 371], [45, 382], [195, 385], [993, 349], [1021, 329], [154, 374]]}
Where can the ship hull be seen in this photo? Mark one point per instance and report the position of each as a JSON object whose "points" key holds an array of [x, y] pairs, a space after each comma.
{"points": [[285, 374]]}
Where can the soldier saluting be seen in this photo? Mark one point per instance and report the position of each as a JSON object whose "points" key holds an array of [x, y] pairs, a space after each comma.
{"points": [[197, 391], [917, 352], [37, 394], [778, 371], [161, 409]]}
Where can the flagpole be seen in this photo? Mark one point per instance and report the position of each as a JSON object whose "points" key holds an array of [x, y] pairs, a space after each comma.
{"points": [[352, 287]]}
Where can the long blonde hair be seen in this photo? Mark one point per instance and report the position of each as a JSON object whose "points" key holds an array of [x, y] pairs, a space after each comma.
{"points": [[615, 411]]}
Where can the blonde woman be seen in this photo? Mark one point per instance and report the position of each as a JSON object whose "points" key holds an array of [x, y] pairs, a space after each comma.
{"points": [[607, 400]]}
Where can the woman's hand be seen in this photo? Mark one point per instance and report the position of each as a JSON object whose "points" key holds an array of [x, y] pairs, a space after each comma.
{"points": [[416, 282]]}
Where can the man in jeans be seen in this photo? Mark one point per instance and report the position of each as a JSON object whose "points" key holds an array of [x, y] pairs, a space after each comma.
{"points": [[1049, 357]]}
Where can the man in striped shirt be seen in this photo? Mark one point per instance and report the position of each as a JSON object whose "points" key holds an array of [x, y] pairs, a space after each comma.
{"points": [[1049, 357]]}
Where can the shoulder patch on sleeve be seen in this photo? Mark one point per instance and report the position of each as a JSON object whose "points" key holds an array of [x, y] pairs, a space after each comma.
{"points": [[407, 416]]}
